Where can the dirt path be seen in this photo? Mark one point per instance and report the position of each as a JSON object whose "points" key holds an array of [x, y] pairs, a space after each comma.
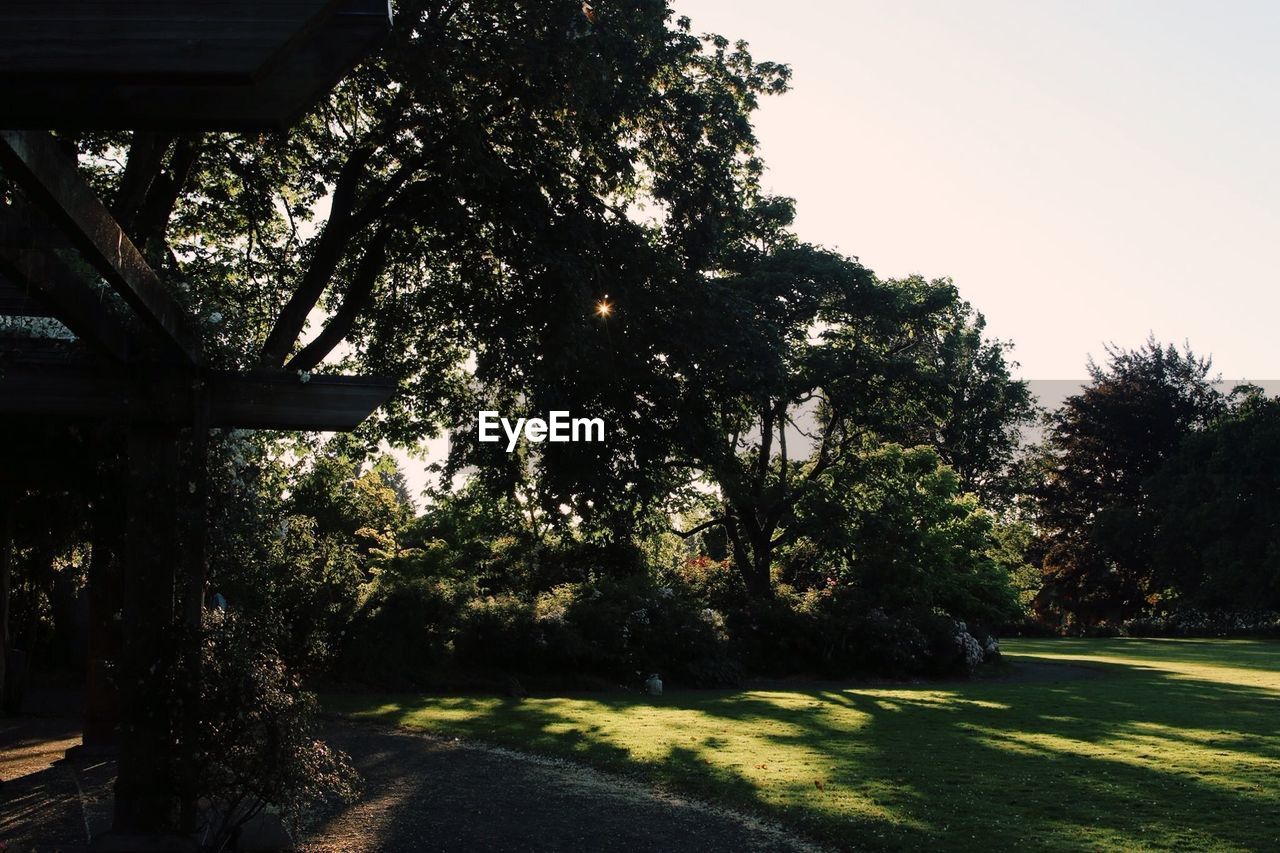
{"points": [[39, 801], [434, 794]]}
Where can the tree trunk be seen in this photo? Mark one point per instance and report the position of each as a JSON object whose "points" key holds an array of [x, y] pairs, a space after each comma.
{"points": [[753, 559]]}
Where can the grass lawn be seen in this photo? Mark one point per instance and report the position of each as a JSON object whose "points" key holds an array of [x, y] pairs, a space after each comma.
{"points": [[1141, 744]]}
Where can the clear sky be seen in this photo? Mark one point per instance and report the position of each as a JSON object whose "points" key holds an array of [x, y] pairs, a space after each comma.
{"points": [[1085, 171]]}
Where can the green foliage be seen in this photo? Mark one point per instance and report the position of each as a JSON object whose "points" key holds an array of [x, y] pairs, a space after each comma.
{"points": [[813, 358], [349, 499], [1217, 505], [892, 529], [294, 546], [258, 742], [973, 410], [1092, 506]]}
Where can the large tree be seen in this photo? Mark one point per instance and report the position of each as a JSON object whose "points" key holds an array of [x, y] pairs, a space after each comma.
{"points": [[1094, 507], [471, 193], [1216, 508], [809, 358], [454, 214], [974, 411]]}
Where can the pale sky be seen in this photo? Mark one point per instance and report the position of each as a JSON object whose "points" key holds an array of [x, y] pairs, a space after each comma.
{"points": [[1084, 171]]}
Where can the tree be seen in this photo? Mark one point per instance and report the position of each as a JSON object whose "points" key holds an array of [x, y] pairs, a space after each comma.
{"points": [[456, 211], [1093, 506], [810, 358], [348, 498], [1216, 505], [496, 172], [975, 410], [451, 215], [893, 528]]}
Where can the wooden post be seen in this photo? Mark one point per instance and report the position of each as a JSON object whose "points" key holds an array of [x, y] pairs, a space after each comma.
{"points": [[102, 712], [194, 495], [146, 799], [6, 569]]}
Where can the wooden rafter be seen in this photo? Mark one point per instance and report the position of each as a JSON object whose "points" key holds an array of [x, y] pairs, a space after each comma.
{"points": [[50, 179], [16, 301], [91, 390], [40, 277], [178, 66]]}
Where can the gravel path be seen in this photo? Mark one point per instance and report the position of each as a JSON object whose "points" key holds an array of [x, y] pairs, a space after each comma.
{"points": [[435, 794], [421, 793]]}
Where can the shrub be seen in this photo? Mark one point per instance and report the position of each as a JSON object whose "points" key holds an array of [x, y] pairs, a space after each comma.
{"points": [[257, 743], [402, 630], [630, 627], [1213, 623], [500, 632]]}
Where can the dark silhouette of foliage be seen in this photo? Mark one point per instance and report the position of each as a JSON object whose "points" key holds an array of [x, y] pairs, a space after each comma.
{"points": [[1216, 544], [1094, 507]]}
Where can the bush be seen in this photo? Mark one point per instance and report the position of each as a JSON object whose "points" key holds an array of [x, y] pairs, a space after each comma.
{"points": [[630, 627], [402, 630], [500, 632], [1213, 623], [835, 634], [257, 741]]}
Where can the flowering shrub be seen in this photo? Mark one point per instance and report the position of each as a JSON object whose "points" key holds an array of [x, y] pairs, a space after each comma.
{"points": [[1213, 623], [969, 647]]}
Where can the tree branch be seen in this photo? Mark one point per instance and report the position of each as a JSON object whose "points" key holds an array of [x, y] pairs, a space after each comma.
{"points": [[145, 160], [331, 247], [153, 217], [706, 525], [354, 302]]}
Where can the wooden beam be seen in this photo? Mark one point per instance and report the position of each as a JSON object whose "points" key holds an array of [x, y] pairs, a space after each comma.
{"points": [[284, 401], [277, 401], [244, 65], [49, 177], [39, 284], [142, 39], [15, 301]]}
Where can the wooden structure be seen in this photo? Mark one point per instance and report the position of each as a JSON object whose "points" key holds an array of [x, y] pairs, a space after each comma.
{"points": [[136, 357], [177, 64]]}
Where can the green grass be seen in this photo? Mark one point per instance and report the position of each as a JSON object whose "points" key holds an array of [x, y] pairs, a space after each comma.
{"points": [[1156, 744]]}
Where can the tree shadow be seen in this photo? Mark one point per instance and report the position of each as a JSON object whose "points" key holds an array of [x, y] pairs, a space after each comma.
{"points": [[1142, 756]]}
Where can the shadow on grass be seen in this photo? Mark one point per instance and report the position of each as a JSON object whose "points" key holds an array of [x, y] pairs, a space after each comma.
{"points": [[1141, 757]]}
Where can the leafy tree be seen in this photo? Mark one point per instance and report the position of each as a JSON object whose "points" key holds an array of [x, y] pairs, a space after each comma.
{"points": [[1216, 504], [894, 528], [975, 410], [810, 358], [1094, 508], [348, 498], [456, 211]]}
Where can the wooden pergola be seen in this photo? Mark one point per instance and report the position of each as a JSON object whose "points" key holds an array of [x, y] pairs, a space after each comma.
{"points": [[136, 359]]}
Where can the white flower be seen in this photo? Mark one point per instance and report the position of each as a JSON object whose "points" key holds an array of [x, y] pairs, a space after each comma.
{"points": [[304, 376], [215, 318]]}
